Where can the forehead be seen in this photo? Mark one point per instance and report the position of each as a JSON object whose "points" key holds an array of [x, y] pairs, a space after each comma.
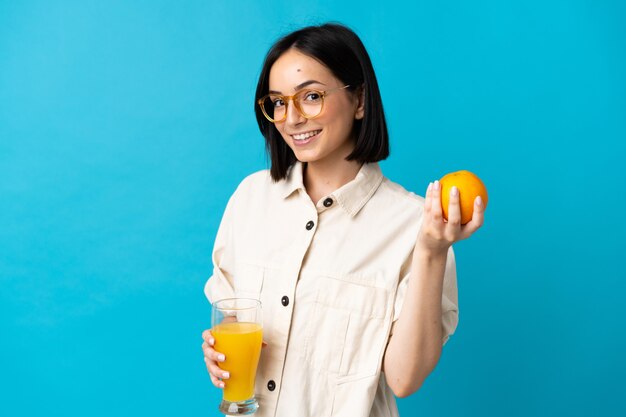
{"points": [[293, 68]]}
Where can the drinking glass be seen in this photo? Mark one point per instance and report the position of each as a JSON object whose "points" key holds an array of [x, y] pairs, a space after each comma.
{"points": [[237, 326]]}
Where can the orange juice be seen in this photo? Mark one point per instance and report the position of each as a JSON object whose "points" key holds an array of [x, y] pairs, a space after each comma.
{"points": [[240, 342]]}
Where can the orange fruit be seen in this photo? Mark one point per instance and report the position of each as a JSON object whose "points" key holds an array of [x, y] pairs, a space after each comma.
{"points": [[470, 187]]}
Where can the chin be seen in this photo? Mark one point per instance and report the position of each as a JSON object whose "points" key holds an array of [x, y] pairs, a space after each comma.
{"points": [[306, 157]]}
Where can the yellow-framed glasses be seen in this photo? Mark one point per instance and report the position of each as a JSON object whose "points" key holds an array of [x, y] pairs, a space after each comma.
{"points": [[309, 103]]}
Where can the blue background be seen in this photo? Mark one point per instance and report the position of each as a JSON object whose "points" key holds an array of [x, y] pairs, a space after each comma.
{"points": [[125, 126]]}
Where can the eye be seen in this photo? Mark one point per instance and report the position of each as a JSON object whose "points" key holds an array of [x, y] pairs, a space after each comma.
{"points": [[277, 102], [312, 96]]}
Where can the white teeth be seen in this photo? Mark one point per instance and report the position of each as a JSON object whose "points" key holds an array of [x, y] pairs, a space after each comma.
{"points": [[306, 135]]}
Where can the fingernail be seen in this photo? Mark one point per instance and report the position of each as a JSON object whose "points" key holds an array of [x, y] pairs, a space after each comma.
{"points": [[454, 191], [430, 186], [221, 384], [479, 201], [436, 185], [226, 375], [221, 358], [211, 341]]}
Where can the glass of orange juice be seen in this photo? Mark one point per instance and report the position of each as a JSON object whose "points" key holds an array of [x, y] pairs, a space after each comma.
{"points": [[237, 326]]}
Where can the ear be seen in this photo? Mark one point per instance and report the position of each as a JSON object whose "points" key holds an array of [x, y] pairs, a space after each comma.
{"points": [[360, 109]]}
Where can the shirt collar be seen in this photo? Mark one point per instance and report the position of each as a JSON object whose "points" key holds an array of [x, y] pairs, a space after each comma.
{"points": [[294, 180], [351, 196]]}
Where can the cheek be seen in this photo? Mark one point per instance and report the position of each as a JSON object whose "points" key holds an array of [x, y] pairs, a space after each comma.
{"points": [[337, 116]]}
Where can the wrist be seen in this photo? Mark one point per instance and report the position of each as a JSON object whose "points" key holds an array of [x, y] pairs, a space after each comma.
{"points": [[430, 254]]}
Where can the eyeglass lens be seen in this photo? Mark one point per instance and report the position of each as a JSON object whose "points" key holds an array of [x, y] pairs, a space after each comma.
{"points": [[308, 102]]}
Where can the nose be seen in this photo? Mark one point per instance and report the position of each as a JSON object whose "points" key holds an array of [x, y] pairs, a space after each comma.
{"points": [[294, 117]]}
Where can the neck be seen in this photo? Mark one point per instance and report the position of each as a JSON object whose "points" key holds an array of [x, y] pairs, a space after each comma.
{"points": [[323, 177]]}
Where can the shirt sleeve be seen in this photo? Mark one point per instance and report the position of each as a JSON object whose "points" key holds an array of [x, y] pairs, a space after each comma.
{"points": [[220, 284], [449, 297]]}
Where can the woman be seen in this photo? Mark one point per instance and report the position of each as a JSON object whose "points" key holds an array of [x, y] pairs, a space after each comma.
{"points": [[356, 275]]}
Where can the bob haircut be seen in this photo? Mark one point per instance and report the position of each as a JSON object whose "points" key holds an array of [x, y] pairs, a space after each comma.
{"points": [[342, 52]]}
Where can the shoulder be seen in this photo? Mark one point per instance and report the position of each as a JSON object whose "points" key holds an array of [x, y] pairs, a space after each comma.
{"points": [[257, 183], [260, 178], [394, 193], [392, 204]]}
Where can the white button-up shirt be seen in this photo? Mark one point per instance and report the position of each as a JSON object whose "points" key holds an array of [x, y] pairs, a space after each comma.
{"points": [[331, 277]]}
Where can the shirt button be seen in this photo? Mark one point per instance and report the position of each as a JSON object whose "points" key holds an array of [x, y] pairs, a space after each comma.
{"points": [[328, 202], [310, 225], [271, 385], [285, 301]]}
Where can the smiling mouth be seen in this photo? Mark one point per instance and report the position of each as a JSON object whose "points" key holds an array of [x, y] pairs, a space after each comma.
{"points": [[303, 137]]}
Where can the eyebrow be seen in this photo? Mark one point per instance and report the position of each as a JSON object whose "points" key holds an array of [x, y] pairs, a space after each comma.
{"points": [[299, 86]]}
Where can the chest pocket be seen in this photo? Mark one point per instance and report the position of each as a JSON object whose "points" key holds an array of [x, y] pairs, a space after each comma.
{"points": [[348, 327], [248, 280]]}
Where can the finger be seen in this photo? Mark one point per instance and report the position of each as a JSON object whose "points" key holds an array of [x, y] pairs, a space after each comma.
{"points": [[215, 380], [428, 199], [263, 343], [218, 357], [478, 218], [208, 337], [454, 209], [214, 356], [211, 354], [217, 371], [435, 209]]}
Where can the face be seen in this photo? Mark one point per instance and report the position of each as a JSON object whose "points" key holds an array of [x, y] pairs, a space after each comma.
{"points": [[327, 137]]}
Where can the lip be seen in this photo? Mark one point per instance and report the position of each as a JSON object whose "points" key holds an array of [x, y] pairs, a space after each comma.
{"points": [[307, 141]]}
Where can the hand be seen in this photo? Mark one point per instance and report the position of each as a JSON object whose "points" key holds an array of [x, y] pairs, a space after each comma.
{"points": [[436, 234], [212, 359]]}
